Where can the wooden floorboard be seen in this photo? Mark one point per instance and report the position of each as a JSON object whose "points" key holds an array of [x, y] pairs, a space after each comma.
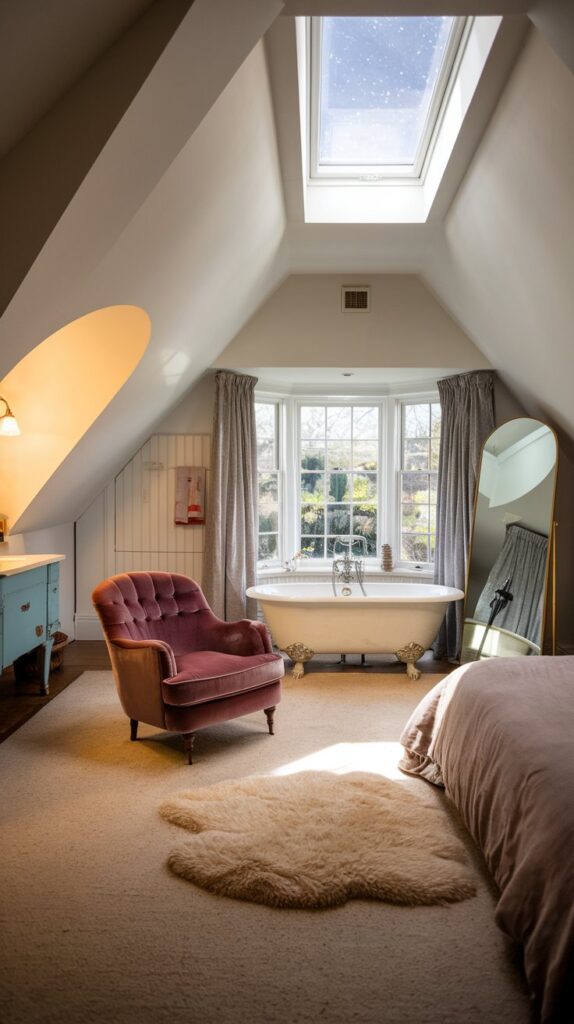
{"points": [[20, 700]]}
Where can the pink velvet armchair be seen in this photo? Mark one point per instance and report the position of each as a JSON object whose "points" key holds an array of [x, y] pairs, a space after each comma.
{"points": [[176, 665]]}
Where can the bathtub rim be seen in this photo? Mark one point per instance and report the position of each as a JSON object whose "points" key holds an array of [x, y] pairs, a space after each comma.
{"points": [[294, 593]]}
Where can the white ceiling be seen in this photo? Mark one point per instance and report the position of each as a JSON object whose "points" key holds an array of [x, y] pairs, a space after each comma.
{"points": [[190, 211], [47, 47]]}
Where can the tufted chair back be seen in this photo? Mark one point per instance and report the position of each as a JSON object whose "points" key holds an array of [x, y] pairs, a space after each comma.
{"points": [[154, 606]]}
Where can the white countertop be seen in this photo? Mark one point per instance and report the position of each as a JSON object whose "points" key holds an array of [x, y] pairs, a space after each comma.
{"points": [[11, 564]]}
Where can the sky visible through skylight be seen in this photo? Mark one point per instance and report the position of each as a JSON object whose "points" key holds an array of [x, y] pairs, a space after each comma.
{"points": [[378, 77]]}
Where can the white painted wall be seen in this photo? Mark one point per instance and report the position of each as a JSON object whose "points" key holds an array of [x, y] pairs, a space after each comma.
{"points": [[184, 208], [507, 273], [301, 324]]}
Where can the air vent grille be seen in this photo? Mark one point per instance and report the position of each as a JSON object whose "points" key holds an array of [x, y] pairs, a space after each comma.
{"points": [[355, 298]]}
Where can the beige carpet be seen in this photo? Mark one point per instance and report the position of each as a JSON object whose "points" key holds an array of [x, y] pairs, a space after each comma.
{"points": [[95, 928], [318, 839]]}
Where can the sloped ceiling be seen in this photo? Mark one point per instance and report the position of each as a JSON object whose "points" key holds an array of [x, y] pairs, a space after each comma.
{"points": [[182, 213]]}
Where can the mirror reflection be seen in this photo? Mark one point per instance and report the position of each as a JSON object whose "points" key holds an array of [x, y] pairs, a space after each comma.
{"points": [[514, 513]]}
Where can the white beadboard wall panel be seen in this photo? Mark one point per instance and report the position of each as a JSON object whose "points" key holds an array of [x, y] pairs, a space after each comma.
{"points": [[131, 527], [146, 534]]}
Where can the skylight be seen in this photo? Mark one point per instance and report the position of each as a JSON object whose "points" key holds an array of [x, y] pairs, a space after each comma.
{"points": [[377, 87]]}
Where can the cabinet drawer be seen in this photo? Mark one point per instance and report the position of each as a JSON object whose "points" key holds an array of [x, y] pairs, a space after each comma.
{"points": [[24, 580], [24, 621]]}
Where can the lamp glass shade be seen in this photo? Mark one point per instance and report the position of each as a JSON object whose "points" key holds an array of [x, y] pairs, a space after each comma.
{"points": [[8, 426]]}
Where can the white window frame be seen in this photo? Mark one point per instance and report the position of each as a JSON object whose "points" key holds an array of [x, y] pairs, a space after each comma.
{"points": [[389, 495], [381, 173], [279, 458], [431, 398]]}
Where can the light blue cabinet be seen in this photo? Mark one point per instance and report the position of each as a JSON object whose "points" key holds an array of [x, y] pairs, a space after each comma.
{"points": [[29, 608]]}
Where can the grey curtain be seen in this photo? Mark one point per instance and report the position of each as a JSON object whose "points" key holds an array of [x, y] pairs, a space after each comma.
{"points": [[522, 558], [230, 558], [467, 418]]}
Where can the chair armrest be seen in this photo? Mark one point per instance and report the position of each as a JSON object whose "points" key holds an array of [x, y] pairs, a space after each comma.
{"points": [[164, 651], [246, 636]]}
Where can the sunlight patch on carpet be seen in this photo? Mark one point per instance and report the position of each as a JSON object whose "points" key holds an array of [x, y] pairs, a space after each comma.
{"points": [[318, 839], [342, 758]]}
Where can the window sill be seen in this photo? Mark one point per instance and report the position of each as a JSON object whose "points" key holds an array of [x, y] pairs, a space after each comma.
{"points": [[326, 570]]}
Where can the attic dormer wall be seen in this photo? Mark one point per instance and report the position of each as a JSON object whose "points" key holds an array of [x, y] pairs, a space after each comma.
{"points": [[40, 174]]}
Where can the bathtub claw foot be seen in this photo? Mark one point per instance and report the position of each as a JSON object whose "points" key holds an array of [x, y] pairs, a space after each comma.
{"points": [[409, 654], [299, 654]]}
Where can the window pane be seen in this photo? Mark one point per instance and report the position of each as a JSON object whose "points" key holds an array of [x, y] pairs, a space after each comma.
{"points": [[313, 487], [414, 548], [313, 547], [408, 515], [415, 518], [435, 419], [435, 449], [338, 519], [339, 455], [265, 419], [365, 455], [415, 487], [339, 487], [267, 546], [364, 487], [365, 423], [339, 422], [312, 421], [268, 519], [265, 454], [416, 454], [334, 548], [365, 525], [378, 79], [417, 420], [312, 519], [433, 487], [312, 455], [268, 489]]}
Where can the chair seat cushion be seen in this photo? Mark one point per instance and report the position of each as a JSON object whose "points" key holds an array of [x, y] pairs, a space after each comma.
{"points": [[210, 675]]}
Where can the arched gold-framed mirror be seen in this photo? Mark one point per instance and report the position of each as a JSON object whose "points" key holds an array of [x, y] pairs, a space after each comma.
{"points": [[511, 542]]}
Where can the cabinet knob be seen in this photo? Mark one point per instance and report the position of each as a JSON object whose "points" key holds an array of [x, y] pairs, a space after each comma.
{"points": [[39, 630], [25, 607]]}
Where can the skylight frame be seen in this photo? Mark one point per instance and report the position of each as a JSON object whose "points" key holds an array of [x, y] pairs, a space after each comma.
{"points": [[381, 174]]}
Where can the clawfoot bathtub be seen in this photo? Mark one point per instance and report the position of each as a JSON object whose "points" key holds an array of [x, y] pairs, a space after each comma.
{"points": [[393, 618]]}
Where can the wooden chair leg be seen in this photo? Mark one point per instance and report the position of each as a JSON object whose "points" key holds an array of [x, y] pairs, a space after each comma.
{"points": [[133, 729], [188, 739], [269, 713]]}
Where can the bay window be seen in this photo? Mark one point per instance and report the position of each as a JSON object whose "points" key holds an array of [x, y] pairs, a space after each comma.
{"points": [[351, 472]]}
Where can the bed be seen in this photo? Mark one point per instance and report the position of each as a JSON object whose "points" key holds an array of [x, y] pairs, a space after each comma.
{"points": [[499, 736]]}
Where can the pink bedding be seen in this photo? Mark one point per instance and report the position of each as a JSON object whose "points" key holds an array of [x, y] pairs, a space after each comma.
{"points": [[499, 736]]}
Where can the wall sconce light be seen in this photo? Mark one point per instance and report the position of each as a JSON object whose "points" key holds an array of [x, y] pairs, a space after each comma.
{"points": [[8, 424]]}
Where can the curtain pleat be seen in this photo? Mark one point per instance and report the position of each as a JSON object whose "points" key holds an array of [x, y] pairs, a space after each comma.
{"points": [[230, 558], [522, 559], [467, 418]]}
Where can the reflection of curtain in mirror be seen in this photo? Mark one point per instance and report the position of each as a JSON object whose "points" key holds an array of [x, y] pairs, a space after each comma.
{"points": [[522, 557]]}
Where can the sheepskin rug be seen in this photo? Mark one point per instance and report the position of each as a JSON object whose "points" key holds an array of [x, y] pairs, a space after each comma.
{"points": [[316, 839]]}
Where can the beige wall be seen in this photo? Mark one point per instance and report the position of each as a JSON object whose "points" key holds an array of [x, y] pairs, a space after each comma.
{"points": [[301, 324]]}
